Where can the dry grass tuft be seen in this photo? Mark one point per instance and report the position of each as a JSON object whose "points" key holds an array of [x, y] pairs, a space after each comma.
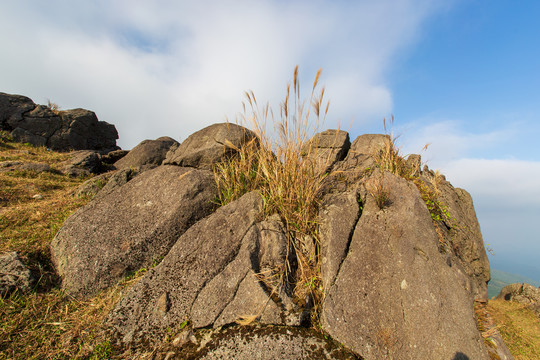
{"points": [[54, 107], [389, 158], [377, 189], [281, 169]]}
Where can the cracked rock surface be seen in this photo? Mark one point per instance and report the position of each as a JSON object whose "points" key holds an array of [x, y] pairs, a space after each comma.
{"points": [[130, 227], [394, 293]]}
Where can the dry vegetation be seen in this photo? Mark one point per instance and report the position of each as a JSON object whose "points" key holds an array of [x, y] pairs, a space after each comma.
{"points": [[289, 181], [390, 159], [45, 324], [519, 327]]}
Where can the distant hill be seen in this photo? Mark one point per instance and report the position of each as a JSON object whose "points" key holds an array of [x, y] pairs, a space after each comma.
{"points": [[500, 279]]}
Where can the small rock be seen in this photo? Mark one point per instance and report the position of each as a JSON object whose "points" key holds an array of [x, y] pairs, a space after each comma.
{"points": [[162, 305], [81, 163], [38, 197], [14, 275]]}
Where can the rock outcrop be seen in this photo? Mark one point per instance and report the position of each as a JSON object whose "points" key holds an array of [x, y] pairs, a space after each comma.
{"points": [[525, 294], [76, 129], [149, 153], [14, 275], [209, 145], [462, 232], [165, 296], [394, 294], [130, 227], [395, 280]]}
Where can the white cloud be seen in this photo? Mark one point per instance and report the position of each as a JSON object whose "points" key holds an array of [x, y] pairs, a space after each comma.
{"points": [[501, 183], [171, 68], [448, 140]]}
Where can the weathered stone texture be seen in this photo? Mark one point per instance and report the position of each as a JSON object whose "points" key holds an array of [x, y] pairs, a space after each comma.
{"points": [[148, 152], [130, 227], [395, 296]]}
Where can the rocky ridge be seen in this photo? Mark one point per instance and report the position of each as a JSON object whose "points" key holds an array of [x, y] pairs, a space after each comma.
{"points": [[393, 285], [39, 125], [397, 282]]}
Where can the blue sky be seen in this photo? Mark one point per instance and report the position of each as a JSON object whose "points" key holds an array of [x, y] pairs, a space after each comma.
{"points": [[460, 75]]}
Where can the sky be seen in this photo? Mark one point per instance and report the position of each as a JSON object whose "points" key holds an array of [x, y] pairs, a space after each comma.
{"points": [[460, 75]]}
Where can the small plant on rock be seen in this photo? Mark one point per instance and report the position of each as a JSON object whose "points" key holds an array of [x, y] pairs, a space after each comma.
{"points": [[378, 190], [54, 107], [389, 159]]}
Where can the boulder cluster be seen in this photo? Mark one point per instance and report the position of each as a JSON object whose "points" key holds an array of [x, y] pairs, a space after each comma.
{"points": [[40, 125], [523, 293], [397, 282]]}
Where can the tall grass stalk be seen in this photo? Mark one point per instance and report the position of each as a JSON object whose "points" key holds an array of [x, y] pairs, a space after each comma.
{"points": [[281, 168]]}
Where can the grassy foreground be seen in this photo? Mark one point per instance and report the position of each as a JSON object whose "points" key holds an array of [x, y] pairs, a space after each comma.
{"points": [[519, 327], [45, 324]]}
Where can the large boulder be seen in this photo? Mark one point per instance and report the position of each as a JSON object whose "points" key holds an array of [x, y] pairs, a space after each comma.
{"points": [[147, 153], [462, 231], [81, 130], [14, 275], [165, 297], [241, 290], [130, 227], [76, 129], [12, 109], [210, 145], [525, 294], [395, 295]]}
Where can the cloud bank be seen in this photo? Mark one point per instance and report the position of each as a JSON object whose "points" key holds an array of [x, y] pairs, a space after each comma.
{"points": [[171, 68]]}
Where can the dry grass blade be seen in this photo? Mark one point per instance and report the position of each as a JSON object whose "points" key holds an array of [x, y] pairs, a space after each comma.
{"points": [[245, 320], [317, 79], [54, 107]]}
